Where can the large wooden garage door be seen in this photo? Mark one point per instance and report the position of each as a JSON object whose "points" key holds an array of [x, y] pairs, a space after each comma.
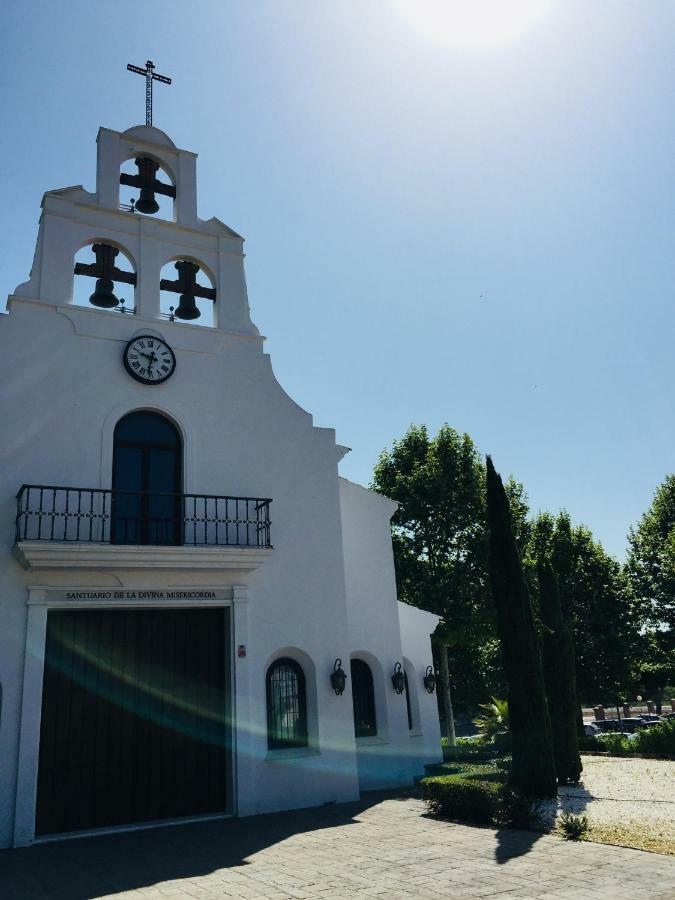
{"points": [[135, 721]]}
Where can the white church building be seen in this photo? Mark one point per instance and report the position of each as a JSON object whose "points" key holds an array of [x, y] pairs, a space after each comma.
{"points": [[198, 615]]}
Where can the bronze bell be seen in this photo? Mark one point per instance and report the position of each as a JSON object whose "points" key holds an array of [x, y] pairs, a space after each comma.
{"points": [[103, 295], [187, 274], [147, 171]]}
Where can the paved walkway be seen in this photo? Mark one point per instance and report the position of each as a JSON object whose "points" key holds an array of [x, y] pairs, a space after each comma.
{"points": [[383, 848]]}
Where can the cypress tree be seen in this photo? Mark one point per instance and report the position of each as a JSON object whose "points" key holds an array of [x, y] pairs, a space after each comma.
{"points": [[559, 676], [533, 767]]}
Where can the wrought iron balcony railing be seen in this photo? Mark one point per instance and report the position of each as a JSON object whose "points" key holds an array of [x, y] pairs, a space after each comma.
{"points": [[95, 515]]}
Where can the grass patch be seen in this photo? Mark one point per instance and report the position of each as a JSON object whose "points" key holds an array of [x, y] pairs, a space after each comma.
{"points": [[636, 836]]}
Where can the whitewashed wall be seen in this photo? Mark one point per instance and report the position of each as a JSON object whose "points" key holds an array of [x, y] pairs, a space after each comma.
{"points": [[396, 755], [416, 627]]}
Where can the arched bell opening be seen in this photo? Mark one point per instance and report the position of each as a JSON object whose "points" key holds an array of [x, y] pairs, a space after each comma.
{"points": [[187, 293], [105, 278], [147, 187]]}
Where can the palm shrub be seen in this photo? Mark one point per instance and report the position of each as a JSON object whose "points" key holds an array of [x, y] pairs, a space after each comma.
{"points": [[494, 719]]}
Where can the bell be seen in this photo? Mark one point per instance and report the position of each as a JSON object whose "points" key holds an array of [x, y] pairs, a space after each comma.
{"points": [[187, 308], [187, 274], [147, 171], [103, 294]]}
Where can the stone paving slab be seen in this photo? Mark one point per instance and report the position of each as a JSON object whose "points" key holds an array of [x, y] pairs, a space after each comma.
{"points": [[382, 847]]}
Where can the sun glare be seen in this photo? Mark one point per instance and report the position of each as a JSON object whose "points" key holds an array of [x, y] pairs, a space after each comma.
{"points": [[474, 23]]}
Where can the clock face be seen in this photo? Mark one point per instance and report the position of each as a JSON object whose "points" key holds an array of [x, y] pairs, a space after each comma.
{"points": [[149, 359]]}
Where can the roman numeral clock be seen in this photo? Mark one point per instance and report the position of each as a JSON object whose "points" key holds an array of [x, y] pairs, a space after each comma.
{"points": [[149, 359]]}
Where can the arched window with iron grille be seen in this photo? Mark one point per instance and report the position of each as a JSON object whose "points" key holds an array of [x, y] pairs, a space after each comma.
{"points": [[363, 697], [286, 705]]}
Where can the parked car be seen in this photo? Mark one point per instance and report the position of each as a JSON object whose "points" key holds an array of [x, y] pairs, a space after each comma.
{"points": [[606, 725], [632, 724], [651, 718], [591, 729]]}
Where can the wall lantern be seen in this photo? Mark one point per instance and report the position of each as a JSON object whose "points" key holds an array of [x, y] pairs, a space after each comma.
{"points": [[430, 681], [338, 678], [398, 679]]}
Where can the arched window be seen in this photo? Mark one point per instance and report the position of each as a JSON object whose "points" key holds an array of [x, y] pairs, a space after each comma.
{"points": [[147, 481], [363, 697], [407, 700], [286, 705]]}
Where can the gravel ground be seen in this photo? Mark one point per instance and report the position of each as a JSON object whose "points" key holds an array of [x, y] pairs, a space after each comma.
{"points": [[626, 801]]}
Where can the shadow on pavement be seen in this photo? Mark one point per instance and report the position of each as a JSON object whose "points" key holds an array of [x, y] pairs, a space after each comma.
{"points": [[84, 868], [512, 842]]}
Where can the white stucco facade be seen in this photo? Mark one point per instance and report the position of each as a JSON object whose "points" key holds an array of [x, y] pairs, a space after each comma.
{"points": [[324, 589]]}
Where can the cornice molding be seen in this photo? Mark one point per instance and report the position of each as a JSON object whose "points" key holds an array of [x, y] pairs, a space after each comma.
{"points": [[40, 555]]}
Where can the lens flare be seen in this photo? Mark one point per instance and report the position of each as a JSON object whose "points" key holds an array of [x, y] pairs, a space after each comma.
{"points": [[474, 23]]}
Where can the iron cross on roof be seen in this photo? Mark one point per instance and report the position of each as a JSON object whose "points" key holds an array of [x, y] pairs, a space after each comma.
{"points": [[150, 76]]}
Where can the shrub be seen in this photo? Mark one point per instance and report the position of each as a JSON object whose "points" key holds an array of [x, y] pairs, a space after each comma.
{"points": [[515, 810], [480, 795], [590, 742], [494, 720], [466, 742], [503, 766], [573, 828], [658, 740], [502, 742], [470, 752], [456, 797], [615, 744], [460, 742]]}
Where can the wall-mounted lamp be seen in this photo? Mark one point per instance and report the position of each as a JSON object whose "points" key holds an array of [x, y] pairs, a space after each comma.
{"points": [[398, 679], [338, 678], [430, 680]]}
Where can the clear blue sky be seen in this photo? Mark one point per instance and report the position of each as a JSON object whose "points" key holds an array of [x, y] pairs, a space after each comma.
{"points": [[434, 234]]}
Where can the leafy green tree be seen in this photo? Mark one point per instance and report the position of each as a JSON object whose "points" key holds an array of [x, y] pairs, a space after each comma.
{"points": [[533, 768], [438, 534], [559, 676], [655, 664], [440, 549], [650, 566], [650, 573], [438, 529], [594, 599]]}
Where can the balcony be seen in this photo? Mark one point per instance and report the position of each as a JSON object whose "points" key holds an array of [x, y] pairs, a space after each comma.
{"points": [[66, 527]]}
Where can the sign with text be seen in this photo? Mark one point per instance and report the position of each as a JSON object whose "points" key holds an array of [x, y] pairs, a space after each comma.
{"points": [[159, 596]]}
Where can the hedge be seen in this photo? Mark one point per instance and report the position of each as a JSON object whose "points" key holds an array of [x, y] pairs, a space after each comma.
{"points": [[657, 740], [455, 797]]}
